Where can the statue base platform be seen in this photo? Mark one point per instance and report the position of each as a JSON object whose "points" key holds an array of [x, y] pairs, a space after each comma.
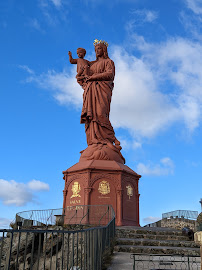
{"points": [[104, 182]]}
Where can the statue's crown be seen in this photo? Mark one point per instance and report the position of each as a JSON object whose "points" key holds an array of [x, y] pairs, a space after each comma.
{"points": [[96, 41]]}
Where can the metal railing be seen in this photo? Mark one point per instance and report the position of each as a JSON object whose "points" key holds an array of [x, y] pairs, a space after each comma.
{"points": [[80, 214], [189, 216], [178, 262], [39, 248], [181, 213], [154, 224]]}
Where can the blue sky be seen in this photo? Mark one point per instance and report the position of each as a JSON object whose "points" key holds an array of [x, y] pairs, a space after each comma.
{"points": [[156, 107]]}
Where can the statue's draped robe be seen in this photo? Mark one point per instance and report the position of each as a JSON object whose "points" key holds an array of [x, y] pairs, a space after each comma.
{"points": [[96, 103]]}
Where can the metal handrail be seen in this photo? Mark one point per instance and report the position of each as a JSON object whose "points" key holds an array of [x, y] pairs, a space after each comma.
{"points": [[31, 215], [181, 213], [85, 215], [104, 215], [49, 216], [40, 216], [68, 207], [73, 216]]}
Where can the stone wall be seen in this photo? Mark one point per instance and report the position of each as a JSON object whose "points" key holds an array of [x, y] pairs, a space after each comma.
{"points": [[175, 223], [178, 223]]}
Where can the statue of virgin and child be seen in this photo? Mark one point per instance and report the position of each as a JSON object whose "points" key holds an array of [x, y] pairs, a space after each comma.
{"points": [[97, 80]]}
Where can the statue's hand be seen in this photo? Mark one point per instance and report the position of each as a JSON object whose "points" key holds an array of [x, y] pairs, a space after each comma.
{"points": [[90, 78], [70, 53], [87, 78]]}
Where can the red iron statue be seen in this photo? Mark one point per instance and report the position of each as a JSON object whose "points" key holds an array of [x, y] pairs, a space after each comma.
{"points": [[100, 177], [97, 81]]}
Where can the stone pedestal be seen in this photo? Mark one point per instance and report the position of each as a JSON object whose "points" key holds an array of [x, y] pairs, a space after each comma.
{"points": [[98, 182], [198, 240]]}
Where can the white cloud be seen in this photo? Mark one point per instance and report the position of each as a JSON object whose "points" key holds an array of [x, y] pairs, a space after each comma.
{"points": [[127, 144], [46, 3], [140, 17], [19, 194], [27, 69], [167, 162], [195, 6], [12, 192], [57, 3], [150, 219], [34, 23], [54, 11], [151, 16], [4, 223], [43, 3], [177, 62], [192, 24], [137, 104], [37, 185], [136, 145], [165, 167], [145, 15], [64, 87]]}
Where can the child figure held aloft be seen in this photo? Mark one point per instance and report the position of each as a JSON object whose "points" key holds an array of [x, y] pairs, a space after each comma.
{"points": [[82, 65]]}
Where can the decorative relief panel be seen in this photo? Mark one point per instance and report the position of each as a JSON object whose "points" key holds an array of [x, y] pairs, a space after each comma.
{"points": [[131, 184], [104, 188], [129, 190], [76, 188]]}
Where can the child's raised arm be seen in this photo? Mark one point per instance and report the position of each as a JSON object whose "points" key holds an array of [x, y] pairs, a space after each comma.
{"points": [[71, 60]]}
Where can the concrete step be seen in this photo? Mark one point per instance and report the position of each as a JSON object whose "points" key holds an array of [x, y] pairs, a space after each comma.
{"points": [[125, 261], [158, 250], [150, 230], [149, 242], [156, 230], [150, 233], [121, 261], [151, 236]]}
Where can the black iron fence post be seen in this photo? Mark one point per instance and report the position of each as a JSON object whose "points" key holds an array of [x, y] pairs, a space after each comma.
{"points": [[32, 253], [51, 250], [91, 251], [72, 264], [188, 264], [9, 258], [44, 261], [89, 248], [134, 262]]}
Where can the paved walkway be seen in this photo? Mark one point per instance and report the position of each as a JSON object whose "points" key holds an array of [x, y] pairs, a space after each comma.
{"points": [[121, 261]]}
